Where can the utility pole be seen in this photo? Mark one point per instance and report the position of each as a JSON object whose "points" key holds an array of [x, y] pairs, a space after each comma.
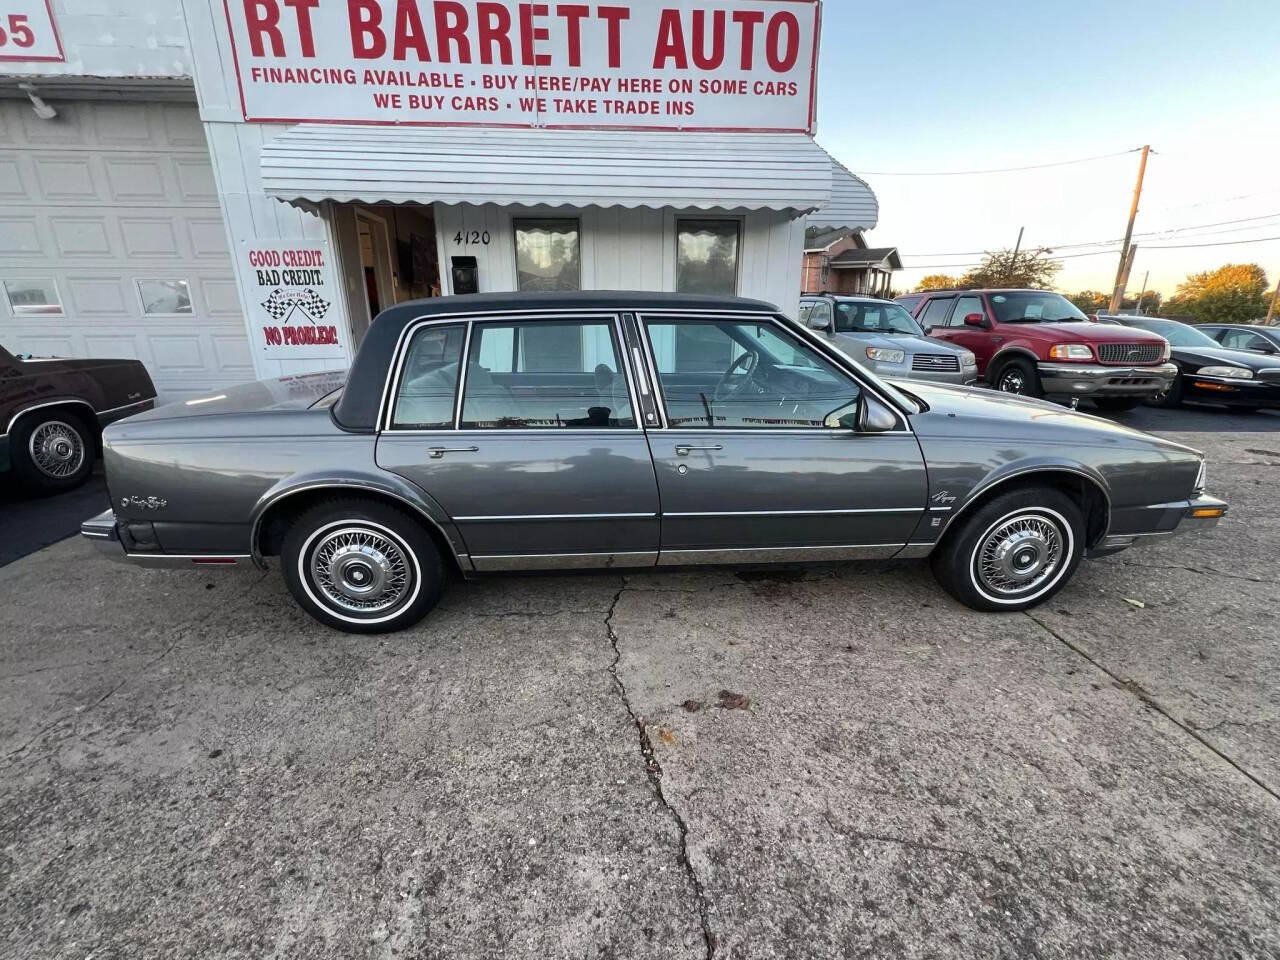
{"points": [[1271, 310], [1117, 298], [1118, 291], [1145, 277], [1013, 262]]}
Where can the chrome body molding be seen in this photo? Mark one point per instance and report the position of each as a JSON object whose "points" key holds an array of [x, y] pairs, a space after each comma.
{"points": [[814, 554], [517, 518], [986, 486], [137, 404], [792, 513], [496, 563], [40, 406]]}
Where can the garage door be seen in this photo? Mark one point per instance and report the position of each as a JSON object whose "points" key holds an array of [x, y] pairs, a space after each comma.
{"points": [[112, 243]]}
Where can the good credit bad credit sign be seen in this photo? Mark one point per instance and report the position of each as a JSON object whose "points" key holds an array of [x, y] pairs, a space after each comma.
{"points": [[289, 291], [744, 65]]}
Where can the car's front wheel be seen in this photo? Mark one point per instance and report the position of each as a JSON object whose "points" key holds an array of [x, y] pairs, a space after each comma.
{"points": [[362, 566], [1014, 551], [52, 451], [1018, 376]]}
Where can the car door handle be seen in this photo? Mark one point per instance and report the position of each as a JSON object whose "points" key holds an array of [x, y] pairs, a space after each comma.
{"points": [[438, 452], [997, 339], [682, 449]]}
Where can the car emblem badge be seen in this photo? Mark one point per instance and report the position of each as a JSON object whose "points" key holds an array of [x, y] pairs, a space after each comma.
{"points": [[942, 497], [146, 503]]}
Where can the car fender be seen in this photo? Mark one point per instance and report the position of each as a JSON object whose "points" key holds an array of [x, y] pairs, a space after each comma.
{"points": [[1016, 349], [354, 482], [46, 402], [1025, 468]]}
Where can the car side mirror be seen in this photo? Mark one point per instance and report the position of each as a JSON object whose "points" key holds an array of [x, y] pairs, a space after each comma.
{"points": [[974, 320], [865, 415], [927, 328], [819, 323]]}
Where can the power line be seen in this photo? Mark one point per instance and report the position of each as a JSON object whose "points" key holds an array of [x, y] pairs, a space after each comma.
{"points": [[1099, 253], [970, 173]]}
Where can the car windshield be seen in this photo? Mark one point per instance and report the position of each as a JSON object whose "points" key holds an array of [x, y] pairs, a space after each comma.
{"points": [[1034, 306], [1178, 334], [856, 316]]}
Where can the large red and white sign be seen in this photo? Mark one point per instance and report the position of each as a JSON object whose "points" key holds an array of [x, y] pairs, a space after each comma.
{"points": [[27, 31], [659, 64], [289, 291]]}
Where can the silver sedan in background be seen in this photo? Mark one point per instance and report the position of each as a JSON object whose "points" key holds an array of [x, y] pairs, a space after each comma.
{"points": [[881, 335]]}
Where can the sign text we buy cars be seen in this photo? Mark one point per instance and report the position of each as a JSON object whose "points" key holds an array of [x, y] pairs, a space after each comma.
{"points": [[664, 64]]}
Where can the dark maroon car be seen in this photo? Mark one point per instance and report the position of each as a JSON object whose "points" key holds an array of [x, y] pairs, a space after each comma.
{"points": [[52, 411]]}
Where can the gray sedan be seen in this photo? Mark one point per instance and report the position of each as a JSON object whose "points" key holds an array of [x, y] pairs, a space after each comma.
{"points": [[614, 430], [882, 335]]}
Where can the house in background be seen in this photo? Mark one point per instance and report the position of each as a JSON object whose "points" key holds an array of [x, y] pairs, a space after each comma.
{"points": [[839, 261]]}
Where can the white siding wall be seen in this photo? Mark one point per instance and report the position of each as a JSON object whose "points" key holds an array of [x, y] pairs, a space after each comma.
{"points": [[626, 249]]}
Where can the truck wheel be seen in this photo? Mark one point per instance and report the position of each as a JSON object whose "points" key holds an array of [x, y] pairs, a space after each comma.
{"points": [[1013, 552], [1117, 404], [52, 451], [1017, 376], [362, 566]]}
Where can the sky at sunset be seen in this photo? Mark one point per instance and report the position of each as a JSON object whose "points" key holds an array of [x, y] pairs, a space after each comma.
{"points": [[946, 86]]}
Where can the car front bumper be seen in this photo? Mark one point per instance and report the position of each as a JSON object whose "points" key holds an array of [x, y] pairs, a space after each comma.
{"points": [[104, 532], [1096, 380], [1231, 391], [1162, 520]]}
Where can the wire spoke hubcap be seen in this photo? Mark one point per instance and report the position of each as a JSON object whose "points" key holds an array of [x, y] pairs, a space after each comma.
{"points": [[1020, 554], [56, 449], [360, 570]]}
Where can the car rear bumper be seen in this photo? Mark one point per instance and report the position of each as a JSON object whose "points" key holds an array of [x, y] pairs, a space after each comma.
{"points": [[1164, 520], [1096, 380], [104, 532]]}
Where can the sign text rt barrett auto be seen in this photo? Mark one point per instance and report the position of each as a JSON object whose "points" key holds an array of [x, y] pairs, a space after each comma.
{"points": [[678, 65]]}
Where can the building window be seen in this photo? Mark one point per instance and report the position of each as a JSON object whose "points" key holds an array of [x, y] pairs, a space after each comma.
{"points": [[707, 256], [547, 255], [164, 297], [28, 297]]}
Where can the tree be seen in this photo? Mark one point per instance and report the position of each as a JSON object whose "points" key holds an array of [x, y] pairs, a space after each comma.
{"points": [[1234, 293], [1032, 268], [1090, 301], [936, 281]]}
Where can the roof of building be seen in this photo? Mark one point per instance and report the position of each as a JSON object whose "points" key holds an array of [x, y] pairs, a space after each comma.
{"points": [[358, 407], [868, 258], [824, 240], [853, 205]]}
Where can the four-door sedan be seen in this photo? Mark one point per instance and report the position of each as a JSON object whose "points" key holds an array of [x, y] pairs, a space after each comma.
{"points": [[881, 334], [1244, 336], [1208, 372], [51, 410], [625, 431]]}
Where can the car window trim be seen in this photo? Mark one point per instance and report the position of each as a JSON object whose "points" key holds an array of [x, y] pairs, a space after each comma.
{"points": [[955, 305], [830, 354]]}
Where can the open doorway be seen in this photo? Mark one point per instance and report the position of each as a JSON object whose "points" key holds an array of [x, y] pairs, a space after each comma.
{"points": [[387, 255]]}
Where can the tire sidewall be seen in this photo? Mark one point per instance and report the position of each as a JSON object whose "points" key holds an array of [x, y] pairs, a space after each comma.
{"points": [[1019, 601], [421, 555], [24, 468], [1030, 378]]}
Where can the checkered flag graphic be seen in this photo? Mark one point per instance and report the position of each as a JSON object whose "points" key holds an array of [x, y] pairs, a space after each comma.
{"points": [[280, 304], [313, 304], [277, 305]]}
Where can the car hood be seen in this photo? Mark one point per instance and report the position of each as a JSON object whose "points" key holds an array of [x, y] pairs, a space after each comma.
{"points": [[283, 393], [948, 405], [1087, 331], [1225, 355], [905, 341]]}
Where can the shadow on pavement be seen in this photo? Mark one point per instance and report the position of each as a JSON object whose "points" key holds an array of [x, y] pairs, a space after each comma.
{"points": [[32, 523]]}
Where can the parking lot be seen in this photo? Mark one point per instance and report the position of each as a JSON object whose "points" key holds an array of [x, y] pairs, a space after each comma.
{"points": [[832, 762]]}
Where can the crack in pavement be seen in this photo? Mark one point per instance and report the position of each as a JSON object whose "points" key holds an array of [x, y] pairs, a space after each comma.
{"points": [[653, 770], [1201, 571], [1147, 699]]}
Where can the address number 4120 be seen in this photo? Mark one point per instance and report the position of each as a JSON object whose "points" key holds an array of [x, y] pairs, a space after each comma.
{"points": [[467, 237], [18, 32]]}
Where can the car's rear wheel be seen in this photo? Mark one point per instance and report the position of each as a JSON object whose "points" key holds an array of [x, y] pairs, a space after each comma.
{"points": [[52, 451], [1117, 404], [1017, 376], [362, 566], [1014, 551]]}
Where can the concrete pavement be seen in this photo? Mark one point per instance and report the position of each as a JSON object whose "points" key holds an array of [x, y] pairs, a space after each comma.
{"points": [[829, 763]]}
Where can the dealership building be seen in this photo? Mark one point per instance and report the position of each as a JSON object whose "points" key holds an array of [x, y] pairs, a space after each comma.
{"points": [[228, 191]]}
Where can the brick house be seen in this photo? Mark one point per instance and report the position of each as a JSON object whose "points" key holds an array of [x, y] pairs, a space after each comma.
{"points": [[839, 261]]}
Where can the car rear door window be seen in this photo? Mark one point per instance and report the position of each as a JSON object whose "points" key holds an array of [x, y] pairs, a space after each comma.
{"points": [[745, 375], [935, 312], [1243, 340], [545, 375], [428, 383]]}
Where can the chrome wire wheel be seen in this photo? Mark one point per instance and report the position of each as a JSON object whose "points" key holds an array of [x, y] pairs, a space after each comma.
{"points": [[360, 568], [57, 449], [1020, 553]]}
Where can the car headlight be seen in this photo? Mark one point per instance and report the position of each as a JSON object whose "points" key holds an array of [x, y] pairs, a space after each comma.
{"points": [[1231, 373], [882, 355], [1071, 351], [968, 359]]}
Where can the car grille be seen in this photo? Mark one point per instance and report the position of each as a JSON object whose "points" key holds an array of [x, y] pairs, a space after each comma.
{"points": [[938, 362], [1130, 352]]}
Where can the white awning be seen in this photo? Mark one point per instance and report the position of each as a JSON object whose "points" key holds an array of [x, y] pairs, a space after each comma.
{"points": [[852, 206], [315, 162]]}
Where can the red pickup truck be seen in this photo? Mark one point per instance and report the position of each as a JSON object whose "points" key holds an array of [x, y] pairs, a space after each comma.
{"points": [[1036, 343]]}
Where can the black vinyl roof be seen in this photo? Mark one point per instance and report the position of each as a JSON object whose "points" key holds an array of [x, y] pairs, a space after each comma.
{"points": [[358, 407]]}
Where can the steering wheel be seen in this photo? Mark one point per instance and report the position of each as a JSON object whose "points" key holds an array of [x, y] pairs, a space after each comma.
{"points": [[748, 361]]}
